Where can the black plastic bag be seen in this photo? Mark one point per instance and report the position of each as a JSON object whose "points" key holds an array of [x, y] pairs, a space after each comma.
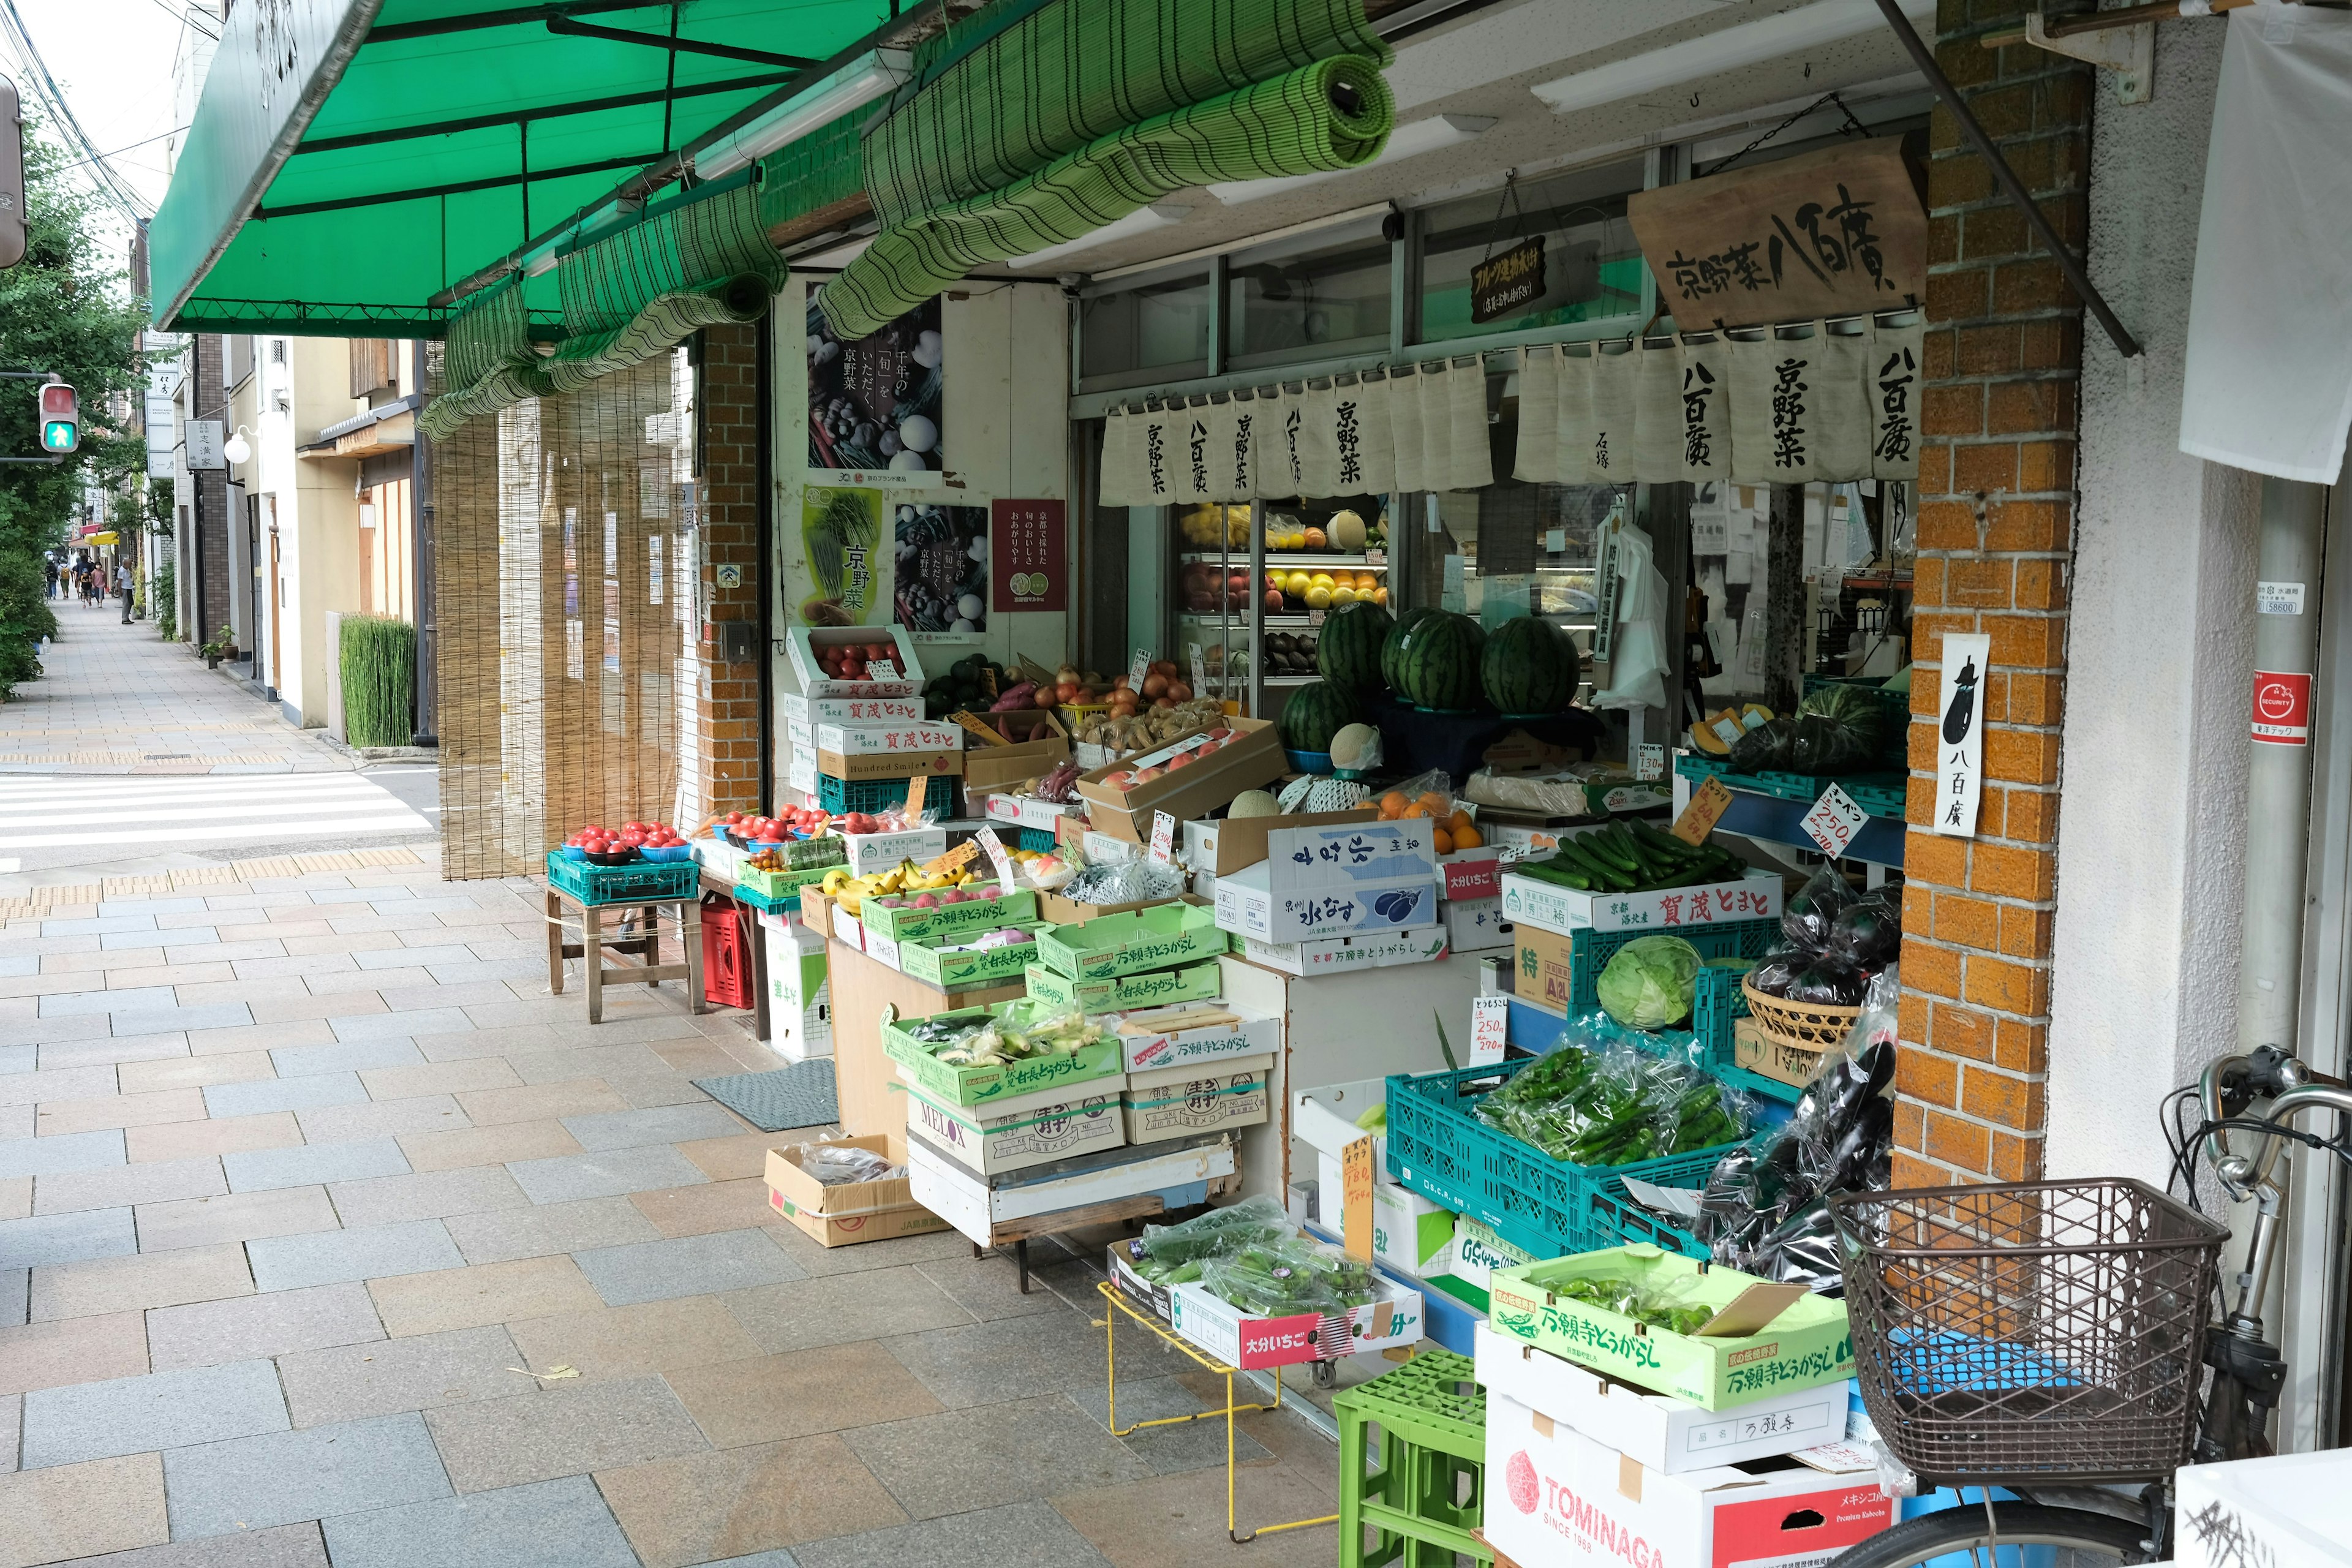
{"points": [[1868, 932], [1801, 1251], [1827, 983], [1777, 970], [1813, 912], [1822, 745]]}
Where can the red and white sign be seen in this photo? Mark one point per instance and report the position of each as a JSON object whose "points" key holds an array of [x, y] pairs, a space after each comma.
{"points": [[1027, 554], [1833, 822], [1163, 837], [2282, 708], [1490, 1026]]}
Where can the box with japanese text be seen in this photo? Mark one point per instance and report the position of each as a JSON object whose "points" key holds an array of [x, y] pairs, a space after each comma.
{"points": [[1159, 1038], [1338, 954], [1152, 988], [805, 646], [1529, 900], [1189, 777], [955, 962], [997, 1083], [1472, 874], [814, 711], [1180, 1101], [1025, 811], [976, 1205], [1153, 938], [1244, 1339], [1248, 906], [908, 921], [1345, 857], [2289, 1510], [1476, 925], [799, 1014], [872, 740], [872, 852], [1224, 845], [1036, 1136]]}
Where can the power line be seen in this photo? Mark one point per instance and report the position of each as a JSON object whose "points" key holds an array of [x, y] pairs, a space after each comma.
{"points": [[133, 147], [188, 18], [111, 186]]}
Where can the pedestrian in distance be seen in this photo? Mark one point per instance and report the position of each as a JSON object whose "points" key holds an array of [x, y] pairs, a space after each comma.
{"points": [[50, 571], [123, 586]]}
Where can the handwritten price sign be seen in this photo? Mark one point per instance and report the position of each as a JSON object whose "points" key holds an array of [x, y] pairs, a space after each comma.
{"points": [[1833, 822], [1490, 1020], [1163, 837]]}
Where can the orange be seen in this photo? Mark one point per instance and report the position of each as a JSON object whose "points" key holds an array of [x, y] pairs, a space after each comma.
{"points": [[1434, 803], [1391, 805], [1416, 809], [1445, 842], [1459, 820], [1466, 837]]}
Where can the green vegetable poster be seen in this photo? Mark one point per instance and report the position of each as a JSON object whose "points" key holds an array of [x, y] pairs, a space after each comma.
{"points": [[843, 575], [876, 406]]}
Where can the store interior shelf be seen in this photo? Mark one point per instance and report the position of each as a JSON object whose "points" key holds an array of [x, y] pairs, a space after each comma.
{"points": [[1292, 680], [1305, 561]]}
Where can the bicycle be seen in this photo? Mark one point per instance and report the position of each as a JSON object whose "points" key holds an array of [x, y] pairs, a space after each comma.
{"points": [[2048, 1339]]}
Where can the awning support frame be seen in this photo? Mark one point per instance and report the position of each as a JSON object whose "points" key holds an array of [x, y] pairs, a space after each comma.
{"points": [[523, 116], [2006, 177], [455, 187], [565, 25]]}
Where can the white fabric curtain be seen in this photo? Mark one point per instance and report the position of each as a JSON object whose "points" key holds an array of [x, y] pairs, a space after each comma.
{"points": [[1538, 461], [2268, 385], [1658, 412], [1472, 459], [1311, 420], [1609, 460], [1572, 416], [1404, 430], [1840, 412], [1891, 391], [1360, 439], [1772, 425], [1117, 478], [1706, 409]]}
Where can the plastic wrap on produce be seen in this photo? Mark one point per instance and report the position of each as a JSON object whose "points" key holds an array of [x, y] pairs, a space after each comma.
{"points": [[1584, 790], [1132, 883]]}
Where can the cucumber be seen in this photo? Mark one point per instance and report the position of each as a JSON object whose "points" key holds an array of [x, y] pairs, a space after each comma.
{"points": [[1604, 874]]}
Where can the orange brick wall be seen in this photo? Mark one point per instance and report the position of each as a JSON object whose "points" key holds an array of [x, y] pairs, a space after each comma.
{"points": [[1996, 529], [727, 706]]}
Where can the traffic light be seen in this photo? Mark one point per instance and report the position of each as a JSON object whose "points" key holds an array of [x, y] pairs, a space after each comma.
{"points": [[60, 418]]}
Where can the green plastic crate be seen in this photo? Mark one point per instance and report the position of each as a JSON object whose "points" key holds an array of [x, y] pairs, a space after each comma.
{"points": [[840, 796], [1428, 1492], [1589, 952], [639, 882], [1879, 794]]}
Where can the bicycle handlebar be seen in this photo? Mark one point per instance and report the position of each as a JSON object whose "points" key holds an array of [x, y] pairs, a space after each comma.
{"points": [[2290, 1086]]}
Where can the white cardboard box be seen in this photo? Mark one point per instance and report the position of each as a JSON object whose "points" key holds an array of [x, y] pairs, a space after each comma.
{"points": [[2294, 1510], [1102, 849], [1475, 925], [1559, 1499], [1665, 1433], [1028, 811], [974, 1205], [1478, 1252], [1148, 1050], [1078, 1125], [814, 711], [1180, 1101], [1366, 854], [1245, 1340], [1550, 907], [1324, 1119], [1339, 954], [800, 1009], [875, 740], [801, 643], [870, 852], [1249, 906]]}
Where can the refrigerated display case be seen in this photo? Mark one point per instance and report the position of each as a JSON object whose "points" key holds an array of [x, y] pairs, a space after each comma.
{"points": [[1254, 583]]}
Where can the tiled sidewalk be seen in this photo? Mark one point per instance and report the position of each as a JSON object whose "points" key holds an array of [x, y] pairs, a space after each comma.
{"points": [[327, 1235]]}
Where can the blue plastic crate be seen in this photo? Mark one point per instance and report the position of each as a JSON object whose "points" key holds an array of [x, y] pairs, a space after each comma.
{"points": [[1040, 839], [1621, 1220], [837, 795], [1540, 1205], [641, 881]]}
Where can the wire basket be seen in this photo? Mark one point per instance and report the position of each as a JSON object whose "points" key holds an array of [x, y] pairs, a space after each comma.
{"points": [[1807, 1026], [2028, 1331]]}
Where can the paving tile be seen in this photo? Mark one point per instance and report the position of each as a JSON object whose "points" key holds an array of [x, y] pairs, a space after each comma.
{"points": [[607, 1342], [734, 1158], [262, 1037], [27, 1029], [161, 1410], [800, 1393], [346, 1055], [16, 1197], [804, 1314], [405, 1023], [16, 1290], [561, 1431], [101, 1000], [383, 1377], [14, 1059], [489, 1145], [160, 1180], [561, 1523], [100, 1052], [249, 1327], [438, 1078], [697, 1057], [1179, 1521], [593, 1057], [686, 1266], [75, 1350], [71, 1238], [309, 1165], [304, 1005], [238, 1216], [66, 1083], [155, 1021], [149, 1279], [995, 1454], [1019, 1535], [987, 1287], [743, 1501], [354, 1466], [382, 1119], [12, 1421], [287, 1546], [191, 1071], [498, 1235], [665, 1124], [260, 1095], [433, 1195], [81, 1510], [1169, 1450], [228, 1135], [612, 1173], [651, 1090], [481, 1294], [700, 1210], [336, 1257], [65, 1118], [533, 1102]]}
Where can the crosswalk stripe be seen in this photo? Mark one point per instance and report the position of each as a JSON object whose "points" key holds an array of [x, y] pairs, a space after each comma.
{"points": [[331, 810], [257, 833], [155, 800]]}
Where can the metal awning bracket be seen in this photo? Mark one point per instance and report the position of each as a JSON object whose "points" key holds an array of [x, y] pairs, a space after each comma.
{"points": [[2129, 52]]}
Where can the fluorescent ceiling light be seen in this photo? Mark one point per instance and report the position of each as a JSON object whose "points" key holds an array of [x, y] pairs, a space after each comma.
{"points": [[859, 82], [1767, 38], [1405, 141], [1142, 220]]}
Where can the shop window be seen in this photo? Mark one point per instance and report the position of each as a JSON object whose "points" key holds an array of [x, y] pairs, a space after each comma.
{"points": [[1157, 331], [1306, 300], [1593, 268]]}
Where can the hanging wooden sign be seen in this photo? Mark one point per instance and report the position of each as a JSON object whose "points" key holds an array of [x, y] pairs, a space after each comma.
{"points": [[1507, 284], [1833, 232]]}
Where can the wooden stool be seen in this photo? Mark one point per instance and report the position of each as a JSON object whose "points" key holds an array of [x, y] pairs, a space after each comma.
{"points": [[644, 943]]}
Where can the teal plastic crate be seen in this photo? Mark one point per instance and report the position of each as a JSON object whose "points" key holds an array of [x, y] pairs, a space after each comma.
{"points": [[1879, 794], [1589, 952], [641, 881], [1040, 839], [1621, 1221], [1543, 1207], [837, 795]]}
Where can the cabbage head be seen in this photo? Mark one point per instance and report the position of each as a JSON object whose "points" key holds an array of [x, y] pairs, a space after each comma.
{"points": [[1648, 984]]}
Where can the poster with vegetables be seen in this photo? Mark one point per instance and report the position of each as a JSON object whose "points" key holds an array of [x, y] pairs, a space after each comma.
{"points": [[874, 405], [941, 570], [844, 574]]}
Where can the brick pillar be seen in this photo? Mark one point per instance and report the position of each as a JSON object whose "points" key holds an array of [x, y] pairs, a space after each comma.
{"points": [[1996, 531], [727, 717]]}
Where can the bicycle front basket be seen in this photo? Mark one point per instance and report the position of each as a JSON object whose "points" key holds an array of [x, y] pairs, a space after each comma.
{"points": [[2029, 1331]]}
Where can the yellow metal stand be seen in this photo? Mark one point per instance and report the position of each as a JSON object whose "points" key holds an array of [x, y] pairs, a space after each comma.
{"points": [[1110, 1347]]}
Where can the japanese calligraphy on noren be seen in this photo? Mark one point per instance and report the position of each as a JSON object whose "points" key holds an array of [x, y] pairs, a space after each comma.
{"points": [[1829, 233]]}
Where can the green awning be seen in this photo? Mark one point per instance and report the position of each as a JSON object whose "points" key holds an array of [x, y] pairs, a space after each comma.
{"points": [[349, 160]]}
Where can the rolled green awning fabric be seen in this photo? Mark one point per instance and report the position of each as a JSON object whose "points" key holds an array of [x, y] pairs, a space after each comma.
{"points": [[1333, 114], [666, 321]]}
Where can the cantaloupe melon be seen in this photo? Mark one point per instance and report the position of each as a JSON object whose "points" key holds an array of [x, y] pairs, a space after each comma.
{"points": [[1347, 532], [1254, 803]]}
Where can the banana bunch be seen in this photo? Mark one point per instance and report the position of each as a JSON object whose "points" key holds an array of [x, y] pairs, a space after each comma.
{"points": [[850, 892]]}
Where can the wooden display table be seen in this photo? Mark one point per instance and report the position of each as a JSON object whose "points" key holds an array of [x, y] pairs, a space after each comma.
{"points": [[642, 940], [863, 1076]]}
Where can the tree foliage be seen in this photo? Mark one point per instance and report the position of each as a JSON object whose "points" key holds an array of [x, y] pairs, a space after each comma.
{"points": [[65, 307]]}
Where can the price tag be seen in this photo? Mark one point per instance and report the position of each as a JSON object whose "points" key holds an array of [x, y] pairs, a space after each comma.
{"points": [[917, 788], [979, 726], [1200, 670], [963, 855], [881, 670], [1140, 667], [1490, 1019], [988, 683], [1649, 761], [987, 839], [1356, 1177], [1833, 821], [1163, 837], [1315, 617], [1708, 805]]}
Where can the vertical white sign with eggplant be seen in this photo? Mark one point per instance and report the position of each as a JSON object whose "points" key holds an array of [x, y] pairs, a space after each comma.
{"points": [[1959, 733]]}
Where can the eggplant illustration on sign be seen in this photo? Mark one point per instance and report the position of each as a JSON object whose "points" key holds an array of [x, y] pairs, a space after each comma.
{"points": [[1962, 712]]}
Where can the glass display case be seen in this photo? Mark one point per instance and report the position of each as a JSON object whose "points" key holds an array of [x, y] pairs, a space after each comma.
{"points": [[1246, 618]]}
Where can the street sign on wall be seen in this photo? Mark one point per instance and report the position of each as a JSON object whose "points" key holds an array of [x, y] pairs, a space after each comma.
{"points": [[205, 446]]}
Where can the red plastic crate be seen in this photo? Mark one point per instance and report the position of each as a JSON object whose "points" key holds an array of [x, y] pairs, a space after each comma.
{"points": [[727, 938]]}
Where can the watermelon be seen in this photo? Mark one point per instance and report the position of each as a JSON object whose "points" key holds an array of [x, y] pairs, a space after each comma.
{"points": [[1437, 662], [1391, 644], [1316, 712], [1349, 653], [1529, 666]]}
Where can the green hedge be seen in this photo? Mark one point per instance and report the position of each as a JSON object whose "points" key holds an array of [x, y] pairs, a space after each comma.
{"points": [[379, 661]]}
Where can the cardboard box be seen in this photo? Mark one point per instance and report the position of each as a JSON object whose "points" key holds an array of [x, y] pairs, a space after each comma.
{"points": [[1242, 1339], [721, 858], [1476, 925], [1767, 1058], [1251, 756], [1118, 1262], [1409, 1231], [1036, 1136], [987, 769], [1339, 954], [1180, 1101], [871, 852], [1102, 849], [2292, 1510], [1473, 873], [1560, 1498], [1658, 1431], [976, 1205], [1478, 1252], [1152, 937], [888, 764], [1528, 900], [1781, 1338], [1543, 969], [800, 1014], [811, 711], [946, 962], [1064, 911], [852, 1212], [1362, 855], [1000, 1086], [1152, 988], [903, 922], [1023, 810], [1152, 1040], [1247, 906], [801, 645], [888, 740], [801, 775], [1324, 1119], [1224, 845]]}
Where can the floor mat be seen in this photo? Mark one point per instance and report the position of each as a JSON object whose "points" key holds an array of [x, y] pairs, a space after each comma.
{"points": [[798, 1096]]}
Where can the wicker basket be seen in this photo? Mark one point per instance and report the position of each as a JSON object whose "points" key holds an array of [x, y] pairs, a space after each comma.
{"points": [[1805, 1026]]}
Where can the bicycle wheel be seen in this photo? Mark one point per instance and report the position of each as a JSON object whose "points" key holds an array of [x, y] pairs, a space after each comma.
{"points": [[2032, 1536]]}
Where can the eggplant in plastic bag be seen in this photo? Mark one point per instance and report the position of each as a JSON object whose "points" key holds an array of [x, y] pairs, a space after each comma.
{"points": [[1813, 912], [1801, 1251], [1868, 932], [1777, 971], [1827, 983]]}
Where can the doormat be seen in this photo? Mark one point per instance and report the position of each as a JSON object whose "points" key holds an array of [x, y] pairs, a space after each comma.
{"points": [[798, 1096]]}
